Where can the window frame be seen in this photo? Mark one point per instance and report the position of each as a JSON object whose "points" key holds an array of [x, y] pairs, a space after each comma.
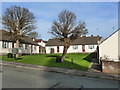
{"points": [[26, 46], [91, 47], [20, 45], [75, 47], [34, 47], [5, 44]]}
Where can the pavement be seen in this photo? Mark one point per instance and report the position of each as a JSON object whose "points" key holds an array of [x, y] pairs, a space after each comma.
{"points": [[17, 77], [63, 70], [95, 66]]}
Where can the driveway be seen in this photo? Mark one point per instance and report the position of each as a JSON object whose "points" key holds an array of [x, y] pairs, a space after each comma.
{"points": [[27, 78]]}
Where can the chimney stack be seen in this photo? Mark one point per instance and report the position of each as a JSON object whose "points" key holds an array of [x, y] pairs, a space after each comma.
{"points": [[33, 39]]}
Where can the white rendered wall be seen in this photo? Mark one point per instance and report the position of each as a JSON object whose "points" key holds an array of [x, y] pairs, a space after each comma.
{"points": [[0, 45], [87, 49], [42, 43], [37, 49], [71, 49], [21, 49], [109, 47], [119, 43], [48, 48], [5, 50]]}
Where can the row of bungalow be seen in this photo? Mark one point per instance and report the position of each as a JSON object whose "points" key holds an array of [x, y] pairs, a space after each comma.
{"points": [[108, 49], [83, 44], [28, 45]]}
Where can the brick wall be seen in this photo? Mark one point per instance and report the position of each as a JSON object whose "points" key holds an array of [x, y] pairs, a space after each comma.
{"points": [[111, 67]]}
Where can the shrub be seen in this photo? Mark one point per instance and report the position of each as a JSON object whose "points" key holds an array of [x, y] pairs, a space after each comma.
{"points": [[10, 55], [58, 59]]}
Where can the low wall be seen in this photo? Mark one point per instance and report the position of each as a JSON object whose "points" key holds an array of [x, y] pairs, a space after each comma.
{"points": [[112, 67]]}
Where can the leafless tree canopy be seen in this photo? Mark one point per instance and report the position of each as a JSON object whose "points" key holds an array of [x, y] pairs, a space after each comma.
{"points": [[67, 29], [0, 22], [18, 21], [33, 34]]}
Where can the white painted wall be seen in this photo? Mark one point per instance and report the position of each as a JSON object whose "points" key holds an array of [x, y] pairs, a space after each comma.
{"points": [[42, 43], [25, 51], [0, 44], [87, 49], [71, 49], [0, 47], [48, 48], [35, 50], [119, 43], [4, 51], [109, 47]]}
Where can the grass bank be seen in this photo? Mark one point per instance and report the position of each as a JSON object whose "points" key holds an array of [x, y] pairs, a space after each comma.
{"points": [[80, 61]]}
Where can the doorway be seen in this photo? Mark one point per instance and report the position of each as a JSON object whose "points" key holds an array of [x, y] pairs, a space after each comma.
{"points": [[52, 50], [83, 48], [57, 49]]}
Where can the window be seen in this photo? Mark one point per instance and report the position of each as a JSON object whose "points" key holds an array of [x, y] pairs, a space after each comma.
{"points": [[26, 46], [91, 46], [51, 47], [12, 45], [21, 45], [75, 47], [58, 49], [5, 44]]}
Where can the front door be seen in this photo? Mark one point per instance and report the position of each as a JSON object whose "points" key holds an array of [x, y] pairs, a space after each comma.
{"points": [[52, 50], [13, 45], [83, 48], [57, 49]]}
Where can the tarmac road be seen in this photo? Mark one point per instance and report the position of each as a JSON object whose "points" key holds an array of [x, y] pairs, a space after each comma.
{"points": [[27, 78]]}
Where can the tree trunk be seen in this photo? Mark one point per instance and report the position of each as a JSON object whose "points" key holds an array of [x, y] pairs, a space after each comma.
{"points": [[64, 53], [17, 46]]}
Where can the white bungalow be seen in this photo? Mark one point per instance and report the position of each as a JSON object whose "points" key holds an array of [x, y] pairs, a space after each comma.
{"points": [[26, 46], [109, 53], [42, 44], [110, 47], [80, 45]]}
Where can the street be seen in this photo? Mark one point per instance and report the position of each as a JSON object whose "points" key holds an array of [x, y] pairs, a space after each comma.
{"points": [[27, 78]]}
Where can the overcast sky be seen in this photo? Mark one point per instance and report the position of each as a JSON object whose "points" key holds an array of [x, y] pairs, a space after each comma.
{"points": [[101, 17]]}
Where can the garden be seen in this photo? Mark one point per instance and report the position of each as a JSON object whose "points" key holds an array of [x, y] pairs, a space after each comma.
{"points": [[78, 61]]}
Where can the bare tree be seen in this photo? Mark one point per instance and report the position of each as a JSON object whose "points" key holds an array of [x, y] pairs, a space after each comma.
{"points": [[67, 29], [33, 35], [19, 22], [0, 22]]}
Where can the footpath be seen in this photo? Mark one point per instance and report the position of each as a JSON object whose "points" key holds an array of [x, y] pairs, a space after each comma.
{"points": [[95, 66], [62, 70]]}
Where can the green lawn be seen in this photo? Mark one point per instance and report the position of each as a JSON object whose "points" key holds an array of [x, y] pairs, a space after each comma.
{"points": [[81, 61]]}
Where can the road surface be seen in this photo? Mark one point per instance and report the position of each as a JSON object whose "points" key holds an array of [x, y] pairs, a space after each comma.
{"points": [[27, 78]]}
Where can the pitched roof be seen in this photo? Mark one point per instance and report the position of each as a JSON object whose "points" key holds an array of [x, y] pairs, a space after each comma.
{"points": [[79, 41], [6, 37], [39, 40], [111, 35], [45, 41], [28, 40]]}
